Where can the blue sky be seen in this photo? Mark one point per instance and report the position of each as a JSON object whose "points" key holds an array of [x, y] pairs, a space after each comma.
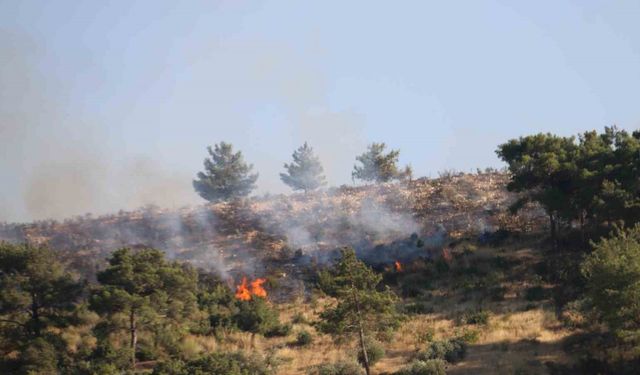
{"points": [[110, 104]]}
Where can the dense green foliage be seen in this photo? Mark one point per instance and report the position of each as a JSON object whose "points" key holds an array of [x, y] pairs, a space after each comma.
{"points": [[592, 181], [452, 350], [37, 295], [216, 364], [612, 271], [378, 166], [306, 172], [427, 367], [146, 305], [226, 175], [147, 292], [337, 368]]}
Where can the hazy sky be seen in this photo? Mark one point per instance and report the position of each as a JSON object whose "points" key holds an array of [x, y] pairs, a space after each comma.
{"points": [[110, 104]]}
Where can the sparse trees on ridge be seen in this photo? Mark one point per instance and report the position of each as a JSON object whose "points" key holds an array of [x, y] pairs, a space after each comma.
{"points": [[225, 176], [378, 166], [305, 172]]}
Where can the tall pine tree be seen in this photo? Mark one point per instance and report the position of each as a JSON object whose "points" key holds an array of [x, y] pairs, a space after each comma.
{"points": [[362, 307], [306, 172], [226, 175], [378, 166]]}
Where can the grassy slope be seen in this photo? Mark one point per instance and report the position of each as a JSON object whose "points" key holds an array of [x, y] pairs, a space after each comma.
{"points": [[520, 336]]}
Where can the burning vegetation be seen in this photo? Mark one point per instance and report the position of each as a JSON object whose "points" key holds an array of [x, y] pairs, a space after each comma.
{"points": [[245, 292]]}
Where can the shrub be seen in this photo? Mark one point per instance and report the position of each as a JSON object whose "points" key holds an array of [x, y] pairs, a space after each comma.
{"points": [[470, 335], [452, 350], [428, 367], [299, 318], [480, 317], [257, 317], [375, 352], [337, 368], [304, 338], [216, 364], [278, 330]]}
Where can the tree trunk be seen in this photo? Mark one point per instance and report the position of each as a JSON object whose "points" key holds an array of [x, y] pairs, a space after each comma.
{"points": [[134, 337], [363, 346]]}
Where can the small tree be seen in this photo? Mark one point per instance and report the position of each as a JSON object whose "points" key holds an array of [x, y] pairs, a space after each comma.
{"points": [[378, 166], [362, 308], [36, 291], [305, 173], [612, 271], [226, 175], [146, 288]]}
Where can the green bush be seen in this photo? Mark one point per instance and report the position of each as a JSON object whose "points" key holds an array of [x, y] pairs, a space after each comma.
{"points": [[257, 317], [479, 317], [304, 338], [216, 364], [278, 330], [452, 350], [337, 368], [428, 367], [375, 352]]}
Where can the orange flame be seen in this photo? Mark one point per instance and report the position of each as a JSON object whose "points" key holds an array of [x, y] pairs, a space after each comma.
{"points": [[243, 293], [398, 266], [257, 289]]}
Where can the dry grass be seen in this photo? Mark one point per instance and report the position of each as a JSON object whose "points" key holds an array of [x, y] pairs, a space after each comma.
{"points": [[519, 337]]}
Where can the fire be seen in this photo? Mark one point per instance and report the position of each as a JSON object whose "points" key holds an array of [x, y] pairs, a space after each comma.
{"points": [[398, 266], [255, 288], [242, 293]]}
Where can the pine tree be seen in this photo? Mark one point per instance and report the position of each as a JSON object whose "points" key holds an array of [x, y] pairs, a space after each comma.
{"points": [[378, 166], [362, 308], [305, 173], [36, 291], [145, 288], [226, 175]]}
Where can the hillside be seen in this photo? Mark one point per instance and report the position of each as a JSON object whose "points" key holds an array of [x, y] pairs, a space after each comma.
{"points": [[242, 237], [489, 290]]}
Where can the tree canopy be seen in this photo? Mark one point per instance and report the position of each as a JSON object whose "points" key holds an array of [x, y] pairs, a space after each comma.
{"points": [[593, 179], [612, 272], [145, 288], [225, 176], [378, 166], [306, 172]]}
